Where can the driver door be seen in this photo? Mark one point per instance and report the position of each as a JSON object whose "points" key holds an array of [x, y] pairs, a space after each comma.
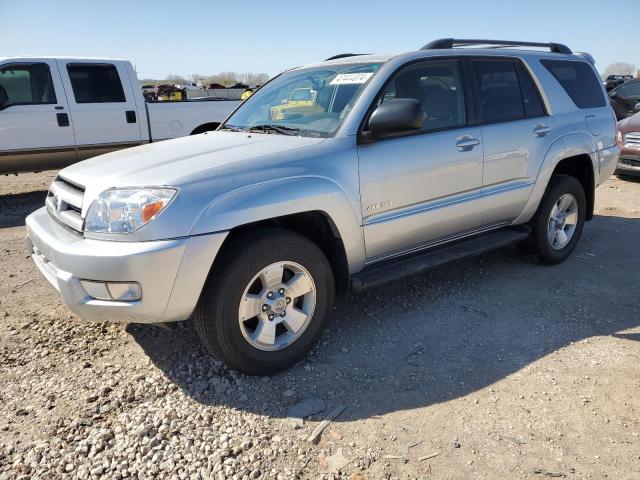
{"points": [[424, 187]]}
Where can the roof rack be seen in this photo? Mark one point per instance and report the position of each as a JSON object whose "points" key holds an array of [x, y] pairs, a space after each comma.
{"points": [[343, 55], [444, 43]]}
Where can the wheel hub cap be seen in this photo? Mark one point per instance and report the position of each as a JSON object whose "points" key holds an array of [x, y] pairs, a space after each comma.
{"points": [[277, 306], [562, 221]]}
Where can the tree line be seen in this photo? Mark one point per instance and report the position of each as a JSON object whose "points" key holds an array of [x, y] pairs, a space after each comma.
{"points": [[223, 78], [621, 68]]}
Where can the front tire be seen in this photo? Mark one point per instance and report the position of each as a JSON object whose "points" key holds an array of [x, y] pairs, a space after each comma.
{"points": [[558, 223], [266, 301]]}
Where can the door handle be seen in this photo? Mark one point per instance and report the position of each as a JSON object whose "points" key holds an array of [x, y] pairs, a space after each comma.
{"points": [[466, 142], [131, 116], [63, 119], [541, 130], [59, 107]]}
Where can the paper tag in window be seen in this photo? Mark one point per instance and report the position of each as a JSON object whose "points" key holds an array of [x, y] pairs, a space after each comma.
{"points": [[351, 78]]}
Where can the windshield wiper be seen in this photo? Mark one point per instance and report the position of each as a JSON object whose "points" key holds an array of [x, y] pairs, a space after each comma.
{"points": [[232, 128], [269, 128]]}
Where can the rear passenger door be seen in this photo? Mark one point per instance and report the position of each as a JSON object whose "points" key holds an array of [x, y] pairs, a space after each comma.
{"points": [[516, 133], [102, 104]]}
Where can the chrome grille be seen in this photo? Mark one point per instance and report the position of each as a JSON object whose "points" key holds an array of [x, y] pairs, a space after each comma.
{"points": [[64, 202], [632, 140]]}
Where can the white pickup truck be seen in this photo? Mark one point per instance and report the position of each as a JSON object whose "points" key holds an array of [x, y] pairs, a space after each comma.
{"points": [[58, 111]]}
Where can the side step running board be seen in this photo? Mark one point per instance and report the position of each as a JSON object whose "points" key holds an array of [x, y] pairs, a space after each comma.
{"points": [[414, 263]]}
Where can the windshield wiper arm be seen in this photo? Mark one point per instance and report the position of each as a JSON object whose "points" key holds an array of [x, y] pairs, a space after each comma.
{"points": [[269, 128], [232, 128]]}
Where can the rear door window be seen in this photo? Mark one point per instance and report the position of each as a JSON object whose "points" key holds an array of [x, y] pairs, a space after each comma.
{"points": [[532, 104], [26, 84], [95, 83], [500, 95], [579, 81], [506, 91]]}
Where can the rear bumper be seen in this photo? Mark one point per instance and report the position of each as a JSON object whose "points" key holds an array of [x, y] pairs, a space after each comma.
{"points": [[171, 273]]}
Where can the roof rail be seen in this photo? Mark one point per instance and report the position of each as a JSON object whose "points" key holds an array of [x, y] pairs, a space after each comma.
{"points": [[445, 43], [343, 55]]}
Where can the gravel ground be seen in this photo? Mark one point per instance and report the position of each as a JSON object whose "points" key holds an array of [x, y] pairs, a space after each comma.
{"points": [[493, 368]]}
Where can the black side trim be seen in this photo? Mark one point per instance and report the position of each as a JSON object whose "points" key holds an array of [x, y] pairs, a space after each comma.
{"points": [[418, 262]]}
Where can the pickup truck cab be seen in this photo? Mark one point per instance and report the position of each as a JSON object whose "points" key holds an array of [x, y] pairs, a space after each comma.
{"points": [[403, 162], [57, 111]]}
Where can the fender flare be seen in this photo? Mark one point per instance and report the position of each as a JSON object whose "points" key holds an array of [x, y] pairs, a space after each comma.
{"points": [[569, 145], [286, 196]]}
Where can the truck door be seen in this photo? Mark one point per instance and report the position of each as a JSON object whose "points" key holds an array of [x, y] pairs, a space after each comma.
{"points": [[36, 131], [102, 104]]}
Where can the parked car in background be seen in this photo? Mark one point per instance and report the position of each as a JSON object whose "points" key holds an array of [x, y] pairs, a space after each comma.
{"points": [[625, 99], [613, 81], [404, 162], [628, 138], [57, 111]]}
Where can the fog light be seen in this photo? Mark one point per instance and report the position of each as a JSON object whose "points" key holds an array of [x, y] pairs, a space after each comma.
{"points": [[120, 291], [125, 291], [96, 290]]}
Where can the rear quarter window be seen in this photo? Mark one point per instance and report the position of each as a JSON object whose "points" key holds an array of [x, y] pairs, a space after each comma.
{"points": [[579, 81]]}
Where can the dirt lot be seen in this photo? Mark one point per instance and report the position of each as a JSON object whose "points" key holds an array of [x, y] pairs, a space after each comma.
{"points": [[494, 368]]}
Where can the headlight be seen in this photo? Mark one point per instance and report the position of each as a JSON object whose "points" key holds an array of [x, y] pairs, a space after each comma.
{"points": [[619, 138], [126, 210]]}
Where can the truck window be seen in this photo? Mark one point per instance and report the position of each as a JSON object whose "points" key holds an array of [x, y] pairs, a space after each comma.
{"points": [[437, 86], [26, 84], [579, 81], [95, 83]]}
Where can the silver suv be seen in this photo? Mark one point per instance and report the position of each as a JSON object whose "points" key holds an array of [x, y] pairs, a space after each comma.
{"points": [[330, 178]]}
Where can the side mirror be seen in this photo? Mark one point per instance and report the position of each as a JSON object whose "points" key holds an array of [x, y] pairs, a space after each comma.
{"points": [[613, 95], [396, 116], [637, 107]]}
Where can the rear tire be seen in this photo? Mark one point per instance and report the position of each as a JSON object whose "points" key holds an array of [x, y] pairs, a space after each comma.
{"points": [[558, 223], [266, 301]]}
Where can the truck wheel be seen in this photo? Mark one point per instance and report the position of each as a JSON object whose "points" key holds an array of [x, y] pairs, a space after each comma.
{"points": [[266, 302], [558, 223]]}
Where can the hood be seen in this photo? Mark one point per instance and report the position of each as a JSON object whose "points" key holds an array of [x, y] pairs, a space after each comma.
{"points": [[175, 162], [630, 124]]}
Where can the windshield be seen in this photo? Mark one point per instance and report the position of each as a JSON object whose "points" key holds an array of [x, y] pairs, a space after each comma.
{"points": [[310, 102]]}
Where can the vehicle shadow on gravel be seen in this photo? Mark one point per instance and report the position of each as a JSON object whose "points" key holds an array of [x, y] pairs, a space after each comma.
{"points": [[434, 337], [15, 207]]}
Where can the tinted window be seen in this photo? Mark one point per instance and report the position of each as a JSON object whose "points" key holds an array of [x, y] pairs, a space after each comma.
{"points": [[438, 87], [27, 84], [532, 103], [578, 80], [95, 83], [500, 94], [626, 90]]}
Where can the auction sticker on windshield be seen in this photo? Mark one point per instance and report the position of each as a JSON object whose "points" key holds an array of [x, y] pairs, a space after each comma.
{"points": [[351, 78]]}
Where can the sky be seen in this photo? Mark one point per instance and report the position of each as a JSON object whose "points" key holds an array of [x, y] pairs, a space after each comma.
{"points": [[206, 37]]}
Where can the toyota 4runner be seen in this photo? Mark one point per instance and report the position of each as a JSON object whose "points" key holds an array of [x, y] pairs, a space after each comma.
{"points": [[396, 164]]}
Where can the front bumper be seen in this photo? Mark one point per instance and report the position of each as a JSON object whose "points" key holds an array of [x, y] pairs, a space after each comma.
{"points": [[171, 272]]}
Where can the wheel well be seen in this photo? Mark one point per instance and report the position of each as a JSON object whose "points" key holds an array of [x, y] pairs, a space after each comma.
{"points": [[318, 227], [207, 127], [581, 168]]}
